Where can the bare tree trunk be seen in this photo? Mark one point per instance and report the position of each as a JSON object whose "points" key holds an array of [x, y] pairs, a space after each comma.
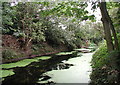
{"points": [[106, 25]]}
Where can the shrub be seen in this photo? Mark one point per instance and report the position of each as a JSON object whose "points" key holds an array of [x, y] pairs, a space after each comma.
{"points": [[99, 64], [8, 54], [105, 66], [100, 56]]}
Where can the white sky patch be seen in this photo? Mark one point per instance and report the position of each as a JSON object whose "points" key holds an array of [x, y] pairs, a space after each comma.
{"points": [[12, 4], [62, 26], [96, 12]]}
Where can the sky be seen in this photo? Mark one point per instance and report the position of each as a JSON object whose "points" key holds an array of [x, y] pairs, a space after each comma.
{"points": [[96, 12]]}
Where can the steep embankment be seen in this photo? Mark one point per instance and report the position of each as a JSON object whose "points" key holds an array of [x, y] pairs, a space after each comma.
{"points": [[13, 49], [106, 67]]}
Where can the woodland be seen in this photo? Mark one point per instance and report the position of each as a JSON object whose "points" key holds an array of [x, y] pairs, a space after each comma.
{"points": [[53, 29]]}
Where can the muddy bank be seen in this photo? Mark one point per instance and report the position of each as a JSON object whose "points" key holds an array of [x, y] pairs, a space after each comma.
{"points": [[13, 49], [29, 57]]}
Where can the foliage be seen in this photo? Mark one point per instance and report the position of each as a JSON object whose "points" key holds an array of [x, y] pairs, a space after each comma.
{"points": [[100, 56], [9, 54], [114, 10], [7, 18], [53, 33], [71, 9], [19, 20], [56, 35], [27, 14], [99, 65], [105, 66], [40, 21], [119, 39], [87, 31], [56, 23]]}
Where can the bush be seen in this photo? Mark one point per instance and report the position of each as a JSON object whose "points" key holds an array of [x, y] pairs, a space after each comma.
{"points": [[105, 66], [8, 54], [100, 56], [99, 65]]}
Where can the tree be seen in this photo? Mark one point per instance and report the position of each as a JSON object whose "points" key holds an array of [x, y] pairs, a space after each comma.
{"points": [[8, 14], [114, 12], [108, 26], [28, 22]]}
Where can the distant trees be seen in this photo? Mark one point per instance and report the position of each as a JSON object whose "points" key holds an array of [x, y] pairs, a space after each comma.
{"points": [[56, 23]]}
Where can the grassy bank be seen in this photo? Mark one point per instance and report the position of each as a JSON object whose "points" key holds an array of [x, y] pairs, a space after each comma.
{"points": [[105, 67]]}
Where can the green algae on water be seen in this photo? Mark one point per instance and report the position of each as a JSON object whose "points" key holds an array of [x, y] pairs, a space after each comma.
{"points": [[24, 62], [65, 53], [5, 73], [44, 57]]}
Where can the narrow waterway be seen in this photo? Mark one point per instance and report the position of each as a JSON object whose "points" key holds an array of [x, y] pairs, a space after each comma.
{"points": [[78, 73], [61, 68]]}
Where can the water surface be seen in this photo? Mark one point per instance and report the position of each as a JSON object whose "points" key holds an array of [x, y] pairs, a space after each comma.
{"points": [[78, 73], [58, 69]]}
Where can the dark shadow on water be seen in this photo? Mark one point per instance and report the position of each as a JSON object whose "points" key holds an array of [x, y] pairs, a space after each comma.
{"points": [[30, 74], [61, 66]]}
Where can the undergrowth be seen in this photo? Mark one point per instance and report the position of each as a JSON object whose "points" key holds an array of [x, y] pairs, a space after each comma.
{"points": [[105, 67]]}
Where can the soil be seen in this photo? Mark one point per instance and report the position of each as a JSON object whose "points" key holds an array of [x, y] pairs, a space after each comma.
{"points": [[16, 44]]}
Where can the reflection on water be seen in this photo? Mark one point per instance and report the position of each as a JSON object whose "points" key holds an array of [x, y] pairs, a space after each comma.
{"points": [[61, 66], [45, 79], [31, 73], [79, 73], [62, 69]]}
